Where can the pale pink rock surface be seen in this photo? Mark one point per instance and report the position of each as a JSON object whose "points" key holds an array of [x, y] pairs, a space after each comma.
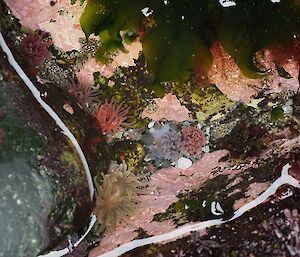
{"points": [[164, 185], [276, 83], [226, 75], [122, 235], [127, 59], [85, 74], [253, 191], [65, 31], [61, 20], [31, 12], [168, 108], [158, 228], [234, 182], [107, 70]]}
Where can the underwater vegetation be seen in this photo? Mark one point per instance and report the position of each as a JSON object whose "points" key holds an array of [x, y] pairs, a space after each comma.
{"points": [[117, 197], [111, 116], [177, 35], [34, 48]]}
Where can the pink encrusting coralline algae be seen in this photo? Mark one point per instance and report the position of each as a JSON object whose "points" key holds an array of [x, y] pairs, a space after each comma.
{"points": [[276, 83], [107, 70], [254, 190], [59, 18], [126, 59], [111, 117], [86, 73], [226, 75], [168, 108], [163, 188]]}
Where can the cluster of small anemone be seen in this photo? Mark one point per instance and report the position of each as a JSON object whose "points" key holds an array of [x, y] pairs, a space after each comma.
{"points": [[170, 144], [286, 228]]}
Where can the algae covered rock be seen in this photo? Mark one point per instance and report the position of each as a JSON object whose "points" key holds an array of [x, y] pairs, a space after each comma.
{"points": [[44, 193]]}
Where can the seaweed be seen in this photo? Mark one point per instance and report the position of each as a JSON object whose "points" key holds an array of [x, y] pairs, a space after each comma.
{"points": [[177, 35]]}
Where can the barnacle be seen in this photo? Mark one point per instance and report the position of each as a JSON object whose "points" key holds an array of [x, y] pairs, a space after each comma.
{"points": [[116, 197]]}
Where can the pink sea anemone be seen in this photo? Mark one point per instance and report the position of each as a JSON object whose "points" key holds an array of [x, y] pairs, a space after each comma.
{"points": [[111, 116], [193, 139], [35, 49]]}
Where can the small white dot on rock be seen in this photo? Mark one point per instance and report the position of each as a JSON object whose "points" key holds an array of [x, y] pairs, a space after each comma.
{"points": [[184, 163], [151, 124]]}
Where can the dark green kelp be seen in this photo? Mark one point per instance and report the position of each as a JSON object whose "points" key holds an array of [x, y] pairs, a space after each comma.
{"points": [[177, 35]]}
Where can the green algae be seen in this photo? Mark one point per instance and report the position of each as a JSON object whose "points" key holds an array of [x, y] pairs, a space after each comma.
{"points": [[71, 159], [131, 152], [277, 114], [74, 1], [128, 88], [211, 103], [177, 35]]}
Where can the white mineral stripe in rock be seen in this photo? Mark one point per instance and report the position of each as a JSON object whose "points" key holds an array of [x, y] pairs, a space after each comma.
{"points": [[285, 178], [66, 250], [49, 110]]}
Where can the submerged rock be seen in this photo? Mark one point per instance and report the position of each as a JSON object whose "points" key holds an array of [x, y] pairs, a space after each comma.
{"points": [[44, 193]]}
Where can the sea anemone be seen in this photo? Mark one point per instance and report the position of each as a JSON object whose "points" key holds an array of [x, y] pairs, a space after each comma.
{"points": [[193, 139], [167, 142], [35, 49], [117, 197], [82, 92], [111, 116]]}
